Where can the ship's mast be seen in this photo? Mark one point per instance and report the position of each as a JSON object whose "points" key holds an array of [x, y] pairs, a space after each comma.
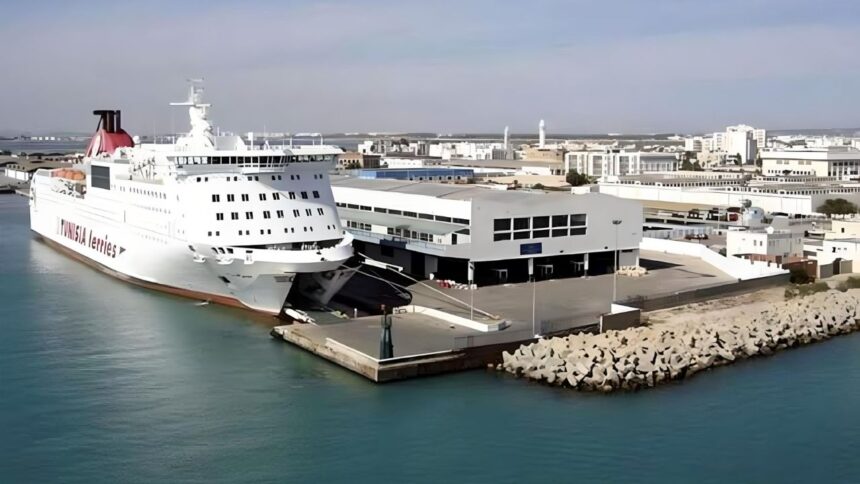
{"points": [[200, 136]]}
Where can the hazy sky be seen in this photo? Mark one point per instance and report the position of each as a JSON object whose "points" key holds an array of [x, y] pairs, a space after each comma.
{"points": [[438, 66]]}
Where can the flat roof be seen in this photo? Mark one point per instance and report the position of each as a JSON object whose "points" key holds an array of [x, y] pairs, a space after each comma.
{"points": [[505, 164], [398, 221], [440, 190]]}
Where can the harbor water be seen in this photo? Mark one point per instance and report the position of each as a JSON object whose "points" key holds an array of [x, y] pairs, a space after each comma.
{"points": [[101, 381]]}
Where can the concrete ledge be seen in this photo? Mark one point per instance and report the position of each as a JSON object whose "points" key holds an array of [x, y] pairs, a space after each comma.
{"points": [[454, 319]]}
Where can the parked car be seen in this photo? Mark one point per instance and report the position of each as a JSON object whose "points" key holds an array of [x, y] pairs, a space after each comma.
{"points": [[696, 237]]}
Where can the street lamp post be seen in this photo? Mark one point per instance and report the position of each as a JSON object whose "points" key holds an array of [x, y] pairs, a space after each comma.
{"points": [[616, 223]]}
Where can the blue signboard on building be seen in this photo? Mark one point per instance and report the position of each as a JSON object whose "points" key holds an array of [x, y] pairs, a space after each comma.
{"points": [[531, 249]]}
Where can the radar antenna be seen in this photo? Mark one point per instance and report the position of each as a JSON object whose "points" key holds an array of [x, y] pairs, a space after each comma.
{"points": [[200, 135]]}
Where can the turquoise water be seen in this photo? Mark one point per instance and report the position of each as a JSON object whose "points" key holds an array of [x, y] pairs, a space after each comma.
{"points": [[105, 382]]}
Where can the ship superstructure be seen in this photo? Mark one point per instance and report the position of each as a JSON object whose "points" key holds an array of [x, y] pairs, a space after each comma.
{"points": [[207, 217]]}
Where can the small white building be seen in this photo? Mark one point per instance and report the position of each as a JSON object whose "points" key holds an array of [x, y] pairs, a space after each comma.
{"points": [[399, 161], [769, 242]]}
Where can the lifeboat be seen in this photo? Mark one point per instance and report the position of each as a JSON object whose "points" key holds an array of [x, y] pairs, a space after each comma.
{"points": [[69, 174]]}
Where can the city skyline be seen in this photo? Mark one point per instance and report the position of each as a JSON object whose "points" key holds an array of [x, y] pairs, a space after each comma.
{"points": [[670, 66]]}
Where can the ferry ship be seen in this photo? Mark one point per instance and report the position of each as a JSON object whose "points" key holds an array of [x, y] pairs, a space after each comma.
{"points": [[207, 217]]}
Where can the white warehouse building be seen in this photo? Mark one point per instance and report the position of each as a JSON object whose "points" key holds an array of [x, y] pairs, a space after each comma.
{"points": [[842, 162], [789, 198], [428, 228]]}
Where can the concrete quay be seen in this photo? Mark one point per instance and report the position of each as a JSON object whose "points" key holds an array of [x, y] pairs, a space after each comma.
{"points": [[356, 356], [644, 357], [444, 340]]}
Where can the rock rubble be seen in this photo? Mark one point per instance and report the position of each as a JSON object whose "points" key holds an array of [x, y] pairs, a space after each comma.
{"points": [[647, 356]]}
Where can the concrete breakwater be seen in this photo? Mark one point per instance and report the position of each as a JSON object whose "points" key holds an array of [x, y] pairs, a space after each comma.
{"points": [[647, 356]]}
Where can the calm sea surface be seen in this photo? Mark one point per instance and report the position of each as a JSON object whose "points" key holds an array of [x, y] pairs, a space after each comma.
{"points": [[105, 382]]}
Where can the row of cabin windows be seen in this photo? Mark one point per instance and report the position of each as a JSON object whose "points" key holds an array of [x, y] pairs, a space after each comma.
{"points": [[148, 193], [267, 214], [317, 176], [404, 213], [287, 230], [267, 160], [275, 196]]}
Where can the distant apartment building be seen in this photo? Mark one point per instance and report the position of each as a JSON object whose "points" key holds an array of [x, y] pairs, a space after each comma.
{"points": [[739, 141], [615, 162], [532, 153], [354, 159]]}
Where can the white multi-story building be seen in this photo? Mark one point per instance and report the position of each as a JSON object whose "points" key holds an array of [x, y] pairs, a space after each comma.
{"points": [[741, 140], [434, 228], [614, 162], [693, 144], [740, 143]]}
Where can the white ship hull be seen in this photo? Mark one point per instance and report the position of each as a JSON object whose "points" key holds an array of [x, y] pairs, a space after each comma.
{"points": [[163, 264]]}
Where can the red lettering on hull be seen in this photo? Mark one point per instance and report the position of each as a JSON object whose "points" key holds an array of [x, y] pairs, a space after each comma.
{"points": [[84, 236]]}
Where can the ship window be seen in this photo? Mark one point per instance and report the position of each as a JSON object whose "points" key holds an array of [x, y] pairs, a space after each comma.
{"points": [[245, 197], [100, 177], [521, 223], [216, 198], [263, 197], [353, 206], [210, 233], [219, 216], [276, 196], [316, 194], [280, 213], [269, 231], [262, 231], [410, 214], [298, 177], [292, 177], [304, 195], [292, 195], [267, 214], [231, 198], [234, 215], [249, 215], [320, 211], [296, 212], [425, 216], [308, 212]]}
